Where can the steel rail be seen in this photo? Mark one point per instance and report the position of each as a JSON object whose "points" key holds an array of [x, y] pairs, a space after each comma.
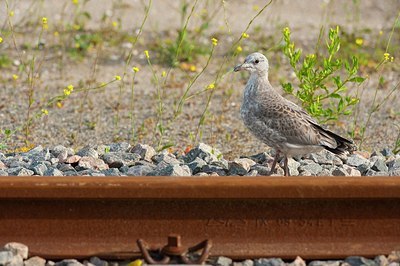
{"points": [[245, 217]]}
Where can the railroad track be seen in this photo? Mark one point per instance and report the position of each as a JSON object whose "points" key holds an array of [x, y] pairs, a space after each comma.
{"points": [[244, 217]]}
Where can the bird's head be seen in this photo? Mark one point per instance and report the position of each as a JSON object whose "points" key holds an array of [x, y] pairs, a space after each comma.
{"points": [[254, 63]]}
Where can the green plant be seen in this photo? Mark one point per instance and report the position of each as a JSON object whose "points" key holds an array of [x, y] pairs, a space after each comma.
{"points": [[317, 73]]}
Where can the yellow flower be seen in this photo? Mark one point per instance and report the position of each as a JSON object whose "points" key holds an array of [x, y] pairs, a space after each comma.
{"points": [[56, 34], [75, 2], [211, 86], [135, 69], [286, 30], [11, 14], [214, 41], [117, 77], [359, 41], [380, 32], [136, 263], [391, 59], [163, 74], [1, 40], [386, 56], [45, 111], [59, 104], [256, 7], [146, 52], [44, 20], [239, 49], [115, 24], [15, 77], [68, 90], [192, 68], [245, 35]]}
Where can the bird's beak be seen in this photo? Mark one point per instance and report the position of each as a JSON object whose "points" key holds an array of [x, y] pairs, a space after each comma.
{"points": [[238, 68]]}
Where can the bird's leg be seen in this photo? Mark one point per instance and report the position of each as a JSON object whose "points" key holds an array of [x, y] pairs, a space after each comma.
{"points": [[274, 163], [285, 167]]}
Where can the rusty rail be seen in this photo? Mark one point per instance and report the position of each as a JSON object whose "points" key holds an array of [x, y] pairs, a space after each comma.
{"points": [[245, 217]]}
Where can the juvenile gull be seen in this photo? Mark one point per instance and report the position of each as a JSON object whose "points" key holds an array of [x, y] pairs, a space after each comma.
{"points": [[280, 123]]}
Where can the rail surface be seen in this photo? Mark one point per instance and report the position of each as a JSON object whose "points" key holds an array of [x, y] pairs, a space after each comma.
{"points": [[245, 217]]}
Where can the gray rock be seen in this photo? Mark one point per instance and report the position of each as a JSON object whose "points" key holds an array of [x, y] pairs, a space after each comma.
{"points": [[38, 168], [252, 173], [351, 171], [371, 172], [71, 173], [244, 263], [312, 167], [223, 261], [50, 263], [17, 249], [196, 165], [240, 166], [98, 262], [119, 159], [19, 171], [35, 261], [119, 147], [139, 170], [213, 169], [88, 151], [394, 172], [74, 159], [203, 151], [146, 152], [261, 169], [3, 173], [68, 262], [261, 157], [164, 158], [269, 262], [386, 152], [297, 262], [91, 163], [364, 167], [360, 261], [17, 260], [172, 170], [325, 263], [57, 150], [35, 150], [381, 260], [293, 167], [379, 165], [64, 167], [394, 164], [325, 157], [6, 257], [111, 172], [356, 160], [305, 173], [53, 172], [339, 171], [62, 156], [325, 172]]}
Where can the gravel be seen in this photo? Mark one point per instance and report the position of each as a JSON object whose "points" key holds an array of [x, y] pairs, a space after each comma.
{"points": [[16, 254], [120, 159]]}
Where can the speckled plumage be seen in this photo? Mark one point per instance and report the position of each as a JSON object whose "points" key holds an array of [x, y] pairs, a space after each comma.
{"points": [[279, 123]]}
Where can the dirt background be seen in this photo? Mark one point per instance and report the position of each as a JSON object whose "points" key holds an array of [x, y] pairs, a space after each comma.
{"points": [[102, 116]]}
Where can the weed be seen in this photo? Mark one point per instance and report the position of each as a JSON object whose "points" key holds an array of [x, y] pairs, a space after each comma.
{"points": [[317, 73]]}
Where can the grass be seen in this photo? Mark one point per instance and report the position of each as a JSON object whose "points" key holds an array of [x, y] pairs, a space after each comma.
{"points": [[173, 88]]}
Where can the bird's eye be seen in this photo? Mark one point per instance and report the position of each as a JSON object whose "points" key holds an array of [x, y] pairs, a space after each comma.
{"points": [[256, 61]]}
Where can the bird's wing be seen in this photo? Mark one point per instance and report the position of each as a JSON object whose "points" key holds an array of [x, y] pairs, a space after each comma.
{"points": [[292, 122]]}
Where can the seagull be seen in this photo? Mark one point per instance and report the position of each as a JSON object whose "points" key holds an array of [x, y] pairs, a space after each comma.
{"points": [[280, 123]]}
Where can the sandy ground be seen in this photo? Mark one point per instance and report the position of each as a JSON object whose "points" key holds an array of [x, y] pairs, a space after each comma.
{"points": [[103, 116]]}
